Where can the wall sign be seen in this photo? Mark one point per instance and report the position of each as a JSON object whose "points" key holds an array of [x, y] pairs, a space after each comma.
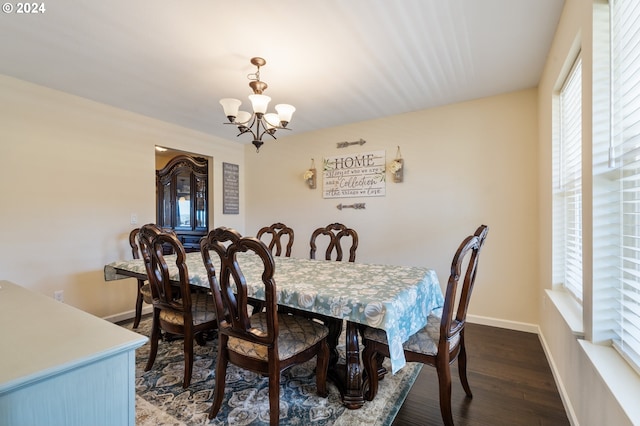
{"points": [[354, 175], [230, 188]]}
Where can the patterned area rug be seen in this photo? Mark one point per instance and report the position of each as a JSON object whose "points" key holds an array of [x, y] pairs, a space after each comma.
{"points": [[160, 399]]}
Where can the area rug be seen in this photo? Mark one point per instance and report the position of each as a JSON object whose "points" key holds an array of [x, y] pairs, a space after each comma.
{"points": [[161, 400]]}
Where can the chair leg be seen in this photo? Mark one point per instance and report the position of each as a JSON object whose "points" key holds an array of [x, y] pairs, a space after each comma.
{"points": [[335, 331], [155, 336], [188, 360], [221, 374], [136, 321], [321, 369], [444, 382], [369, 360], [274, 398], [462, 368]]}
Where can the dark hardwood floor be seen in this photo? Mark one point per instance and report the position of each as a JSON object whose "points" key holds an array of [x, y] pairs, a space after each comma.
{"points": [[509, 376]]}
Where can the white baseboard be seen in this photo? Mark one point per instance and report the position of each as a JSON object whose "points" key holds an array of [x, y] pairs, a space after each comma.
{"points": [[475, 319], [510, 325], [123, 316], [532, 328], [564, 395]]}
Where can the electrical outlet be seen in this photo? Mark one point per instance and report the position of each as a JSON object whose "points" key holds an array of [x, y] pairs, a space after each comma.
{"points": [[59, 295], [134, 218]]}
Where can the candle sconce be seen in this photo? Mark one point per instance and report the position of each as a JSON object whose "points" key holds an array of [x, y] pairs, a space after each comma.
{"points": [[396, 167], [310, 175]]}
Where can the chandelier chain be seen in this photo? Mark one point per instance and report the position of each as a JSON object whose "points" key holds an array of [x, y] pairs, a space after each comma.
{"points": [[254, 76]]}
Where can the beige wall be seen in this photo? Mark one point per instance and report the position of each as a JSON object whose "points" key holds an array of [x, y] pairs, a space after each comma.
{"points": [[71, 173], [466, 164]]}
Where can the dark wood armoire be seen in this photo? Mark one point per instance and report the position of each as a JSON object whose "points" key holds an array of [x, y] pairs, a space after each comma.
{"points": [[181, 192]]}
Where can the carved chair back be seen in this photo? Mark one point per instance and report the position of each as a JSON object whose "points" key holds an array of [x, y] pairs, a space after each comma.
{"points": [[335, 232], [229, 286], [464, 266], [144, 291], [278, 232], [133, 242], [152, 239]]}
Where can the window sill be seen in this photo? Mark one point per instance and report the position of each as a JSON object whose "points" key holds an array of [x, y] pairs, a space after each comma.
{"points": [[622, 381], [570, 310]]}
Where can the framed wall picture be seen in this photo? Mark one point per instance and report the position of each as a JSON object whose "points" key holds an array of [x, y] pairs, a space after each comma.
{"points": [[354, 175], [230, 188]]}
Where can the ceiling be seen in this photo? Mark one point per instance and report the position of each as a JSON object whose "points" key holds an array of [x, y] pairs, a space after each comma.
{"points": [[337, 61]]}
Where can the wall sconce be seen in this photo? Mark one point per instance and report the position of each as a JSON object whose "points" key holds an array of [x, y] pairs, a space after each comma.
{"points": [[310, 175], [396, 167]]}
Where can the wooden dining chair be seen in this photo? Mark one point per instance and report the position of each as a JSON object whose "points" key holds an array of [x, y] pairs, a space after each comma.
{"points": [[144, 290], [266, 342], [335, 232], [181, 312], [441, 341], [277, 232]]}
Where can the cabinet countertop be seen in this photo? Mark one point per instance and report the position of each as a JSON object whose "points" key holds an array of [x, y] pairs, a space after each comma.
{"points": [[42, 337]]}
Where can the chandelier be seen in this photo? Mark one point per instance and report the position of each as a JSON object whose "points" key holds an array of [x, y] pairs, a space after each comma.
{"points": [[259, 122]]}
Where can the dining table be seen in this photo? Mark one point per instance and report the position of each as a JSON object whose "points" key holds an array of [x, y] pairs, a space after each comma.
{"points": [[397, 299]]}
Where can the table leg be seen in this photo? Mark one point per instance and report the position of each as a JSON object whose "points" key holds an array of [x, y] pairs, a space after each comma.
{"points": [[353, 397], [348, 377]]}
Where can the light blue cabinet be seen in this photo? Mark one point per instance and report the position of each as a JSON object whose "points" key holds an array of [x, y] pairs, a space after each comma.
{"points": [[62, 366]]}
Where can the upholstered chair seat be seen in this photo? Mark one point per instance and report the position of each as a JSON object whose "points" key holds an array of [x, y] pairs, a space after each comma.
{"points": [[202, 311], [145, 290], [296, 335], [425, 341]]}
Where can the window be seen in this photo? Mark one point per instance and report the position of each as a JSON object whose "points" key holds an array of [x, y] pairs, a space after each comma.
{"points": [[625, 161], [567, 202]]}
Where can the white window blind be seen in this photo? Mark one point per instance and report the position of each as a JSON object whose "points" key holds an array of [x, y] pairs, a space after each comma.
{"points": [[568, 193], [625, 137]]}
